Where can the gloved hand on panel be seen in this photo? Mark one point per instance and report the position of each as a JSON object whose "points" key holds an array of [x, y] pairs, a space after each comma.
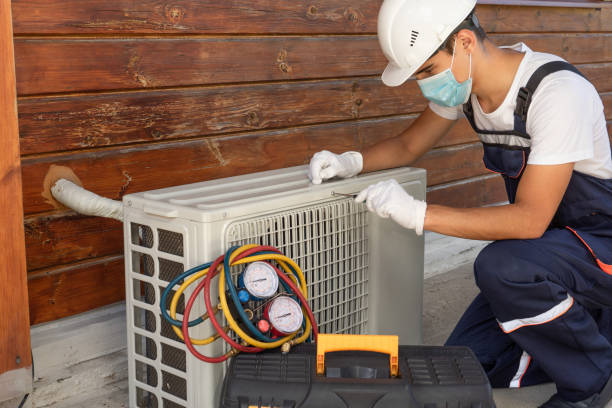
{"points": [[389, 199], [325, 165]]}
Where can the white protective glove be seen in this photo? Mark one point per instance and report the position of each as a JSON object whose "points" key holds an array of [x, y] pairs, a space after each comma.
{"points": [[389, 199], [325, 165]]}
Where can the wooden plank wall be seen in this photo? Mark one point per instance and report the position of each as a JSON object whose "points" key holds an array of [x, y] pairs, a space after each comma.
{"points": [[148, 94], [14, 322]]}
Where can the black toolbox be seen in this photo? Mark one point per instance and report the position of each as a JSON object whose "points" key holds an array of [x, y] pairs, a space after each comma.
{"points": [[429, 377]]}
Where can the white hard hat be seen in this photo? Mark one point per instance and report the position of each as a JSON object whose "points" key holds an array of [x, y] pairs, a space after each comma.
{"points": [[410, 31]]}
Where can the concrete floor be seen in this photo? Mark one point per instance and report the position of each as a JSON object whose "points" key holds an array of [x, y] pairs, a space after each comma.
{"points": [[446, 296]]}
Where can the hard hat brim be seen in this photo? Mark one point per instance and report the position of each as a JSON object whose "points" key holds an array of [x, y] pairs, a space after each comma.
{"points": [[394, 75]]}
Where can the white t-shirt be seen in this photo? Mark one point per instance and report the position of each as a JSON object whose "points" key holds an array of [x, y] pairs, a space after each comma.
{"points": [[566, 119]]}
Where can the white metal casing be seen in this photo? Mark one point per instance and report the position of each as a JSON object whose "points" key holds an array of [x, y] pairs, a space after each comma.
{"points": [[364, 273]]}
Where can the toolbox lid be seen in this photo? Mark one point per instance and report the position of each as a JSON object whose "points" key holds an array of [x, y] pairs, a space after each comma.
{"points": [[430, 376]]}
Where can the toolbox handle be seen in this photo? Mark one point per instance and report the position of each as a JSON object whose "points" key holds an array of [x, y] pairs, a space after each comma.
{"points": [[327, 343]]}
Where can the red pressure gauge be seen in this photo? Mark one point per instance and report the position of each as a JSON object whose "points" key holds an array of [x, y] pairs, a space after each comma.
{"points": [[284, 314]]}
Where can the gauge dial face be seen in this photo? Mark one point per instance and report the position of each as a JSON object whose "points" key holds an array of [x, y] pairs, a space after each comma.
{"points": [[285, 314], [260, 279]]}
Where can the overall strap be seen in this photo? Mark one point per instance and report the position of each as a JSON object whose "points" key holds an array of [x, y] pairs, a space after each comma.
{"points": [[523, 100], [525, 94]]}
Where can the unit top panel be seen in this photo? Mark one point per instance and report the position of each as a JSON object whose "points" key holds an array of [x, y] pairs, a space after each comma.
{"points": [[256, 192]]}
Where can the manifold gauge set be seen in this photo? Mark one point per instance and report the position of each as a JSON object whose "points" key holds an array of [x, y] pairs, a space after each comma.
{"points": [[267, 307]]}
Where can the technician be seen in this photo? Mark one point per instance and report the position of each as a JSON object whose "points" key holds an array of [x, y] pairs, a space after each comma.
{"points": [[544, 311]]}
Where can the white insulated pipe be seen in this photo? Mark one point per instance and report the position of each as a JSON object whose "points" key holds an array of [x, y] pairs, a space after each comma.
{"points": [[85, 202]]}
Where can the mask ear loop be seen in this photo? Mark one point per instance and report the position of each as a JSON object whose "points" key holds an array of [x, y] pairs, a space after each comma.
{"points": [[470, 75], [453, 58]]}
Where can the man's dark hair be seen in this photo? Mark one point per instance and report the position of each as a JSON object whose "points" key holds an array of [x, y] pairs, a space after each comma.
{"points": [[470, 23]]}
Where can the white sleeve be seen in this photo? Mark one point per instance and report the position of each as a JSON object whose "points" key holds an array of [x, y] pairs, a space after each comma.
{"points": [[453, 113], [561, 121]]}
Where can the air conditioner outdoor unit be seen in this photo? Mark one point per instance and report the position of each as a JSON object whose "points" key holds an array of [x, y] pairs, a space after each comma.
{"points": [[364, 273]]}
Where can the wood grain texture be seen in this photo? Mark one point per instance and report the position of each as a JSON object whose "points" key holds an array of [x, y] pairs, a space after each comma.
{"points": [[141, 95], [575, 48], [75, 289], [606, 98], [114, 172], [14, 323], [600, 75], [64, 238], [66, 123], [77, 65], [500, 18], [59, 65], [194, 16], [262, 16], [49, 124], [472, 192], [460, 133], [452, 163]]}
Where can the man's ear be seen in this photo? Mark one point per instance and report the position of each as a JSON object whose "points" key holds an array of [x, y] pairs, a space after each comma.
{"points": [[467, 40]]}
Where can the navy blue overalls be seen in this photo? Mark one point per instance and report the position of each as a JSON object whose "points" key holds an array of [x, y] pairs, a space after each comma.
{"points": [[544, 311]]}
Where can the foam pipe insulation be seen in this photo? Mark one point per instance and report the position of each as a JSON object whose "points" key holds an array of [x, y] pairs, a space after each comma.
{"points": [[85, 202]]}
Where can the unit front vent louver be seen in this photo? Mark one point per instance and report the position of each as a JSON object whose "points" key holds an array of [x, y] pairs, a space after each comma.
{"points": [[364, 273]]}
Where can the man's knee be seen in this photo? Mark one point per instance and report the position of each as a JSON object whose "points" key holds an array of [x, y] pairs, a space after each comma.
{"points": [[496, 266]]}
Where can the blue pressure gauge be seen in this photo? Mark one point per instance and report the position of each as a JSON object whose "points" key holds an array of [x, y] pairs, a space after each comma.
{"points": [[260, 280]]}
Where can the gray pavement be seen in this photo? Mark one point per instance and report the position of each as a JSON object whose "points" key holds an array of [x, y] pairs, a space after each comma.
{"points": [[445, 298]]}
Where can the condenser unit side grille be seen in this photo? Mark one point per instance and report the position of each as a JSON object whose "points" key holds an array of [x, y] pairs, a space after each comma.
{"points": [[160, 361], [329, 243]]}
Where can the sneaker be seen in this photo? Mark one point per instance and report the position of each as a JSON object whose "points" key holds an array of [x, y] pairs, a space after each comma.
{"points": [[599, 400]]}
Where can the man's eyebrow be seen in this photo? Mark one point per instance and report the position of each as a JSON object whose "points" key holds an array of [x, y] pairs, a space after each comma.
{"points": [[424, 69]]}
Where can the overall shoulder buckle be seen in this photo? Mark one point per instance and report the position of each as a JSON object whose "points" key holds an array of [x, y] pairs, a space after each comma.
{"points": [[523, 100]]}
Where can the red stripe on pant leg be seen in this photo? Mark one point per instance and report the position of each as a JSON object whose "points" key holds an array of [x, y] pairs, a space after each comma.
{"points": [[604, 266]]}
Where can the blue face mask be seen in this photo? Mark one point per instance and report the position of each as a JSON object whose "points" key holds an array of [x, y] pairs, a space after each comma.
{"points": [[443, 88]]}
